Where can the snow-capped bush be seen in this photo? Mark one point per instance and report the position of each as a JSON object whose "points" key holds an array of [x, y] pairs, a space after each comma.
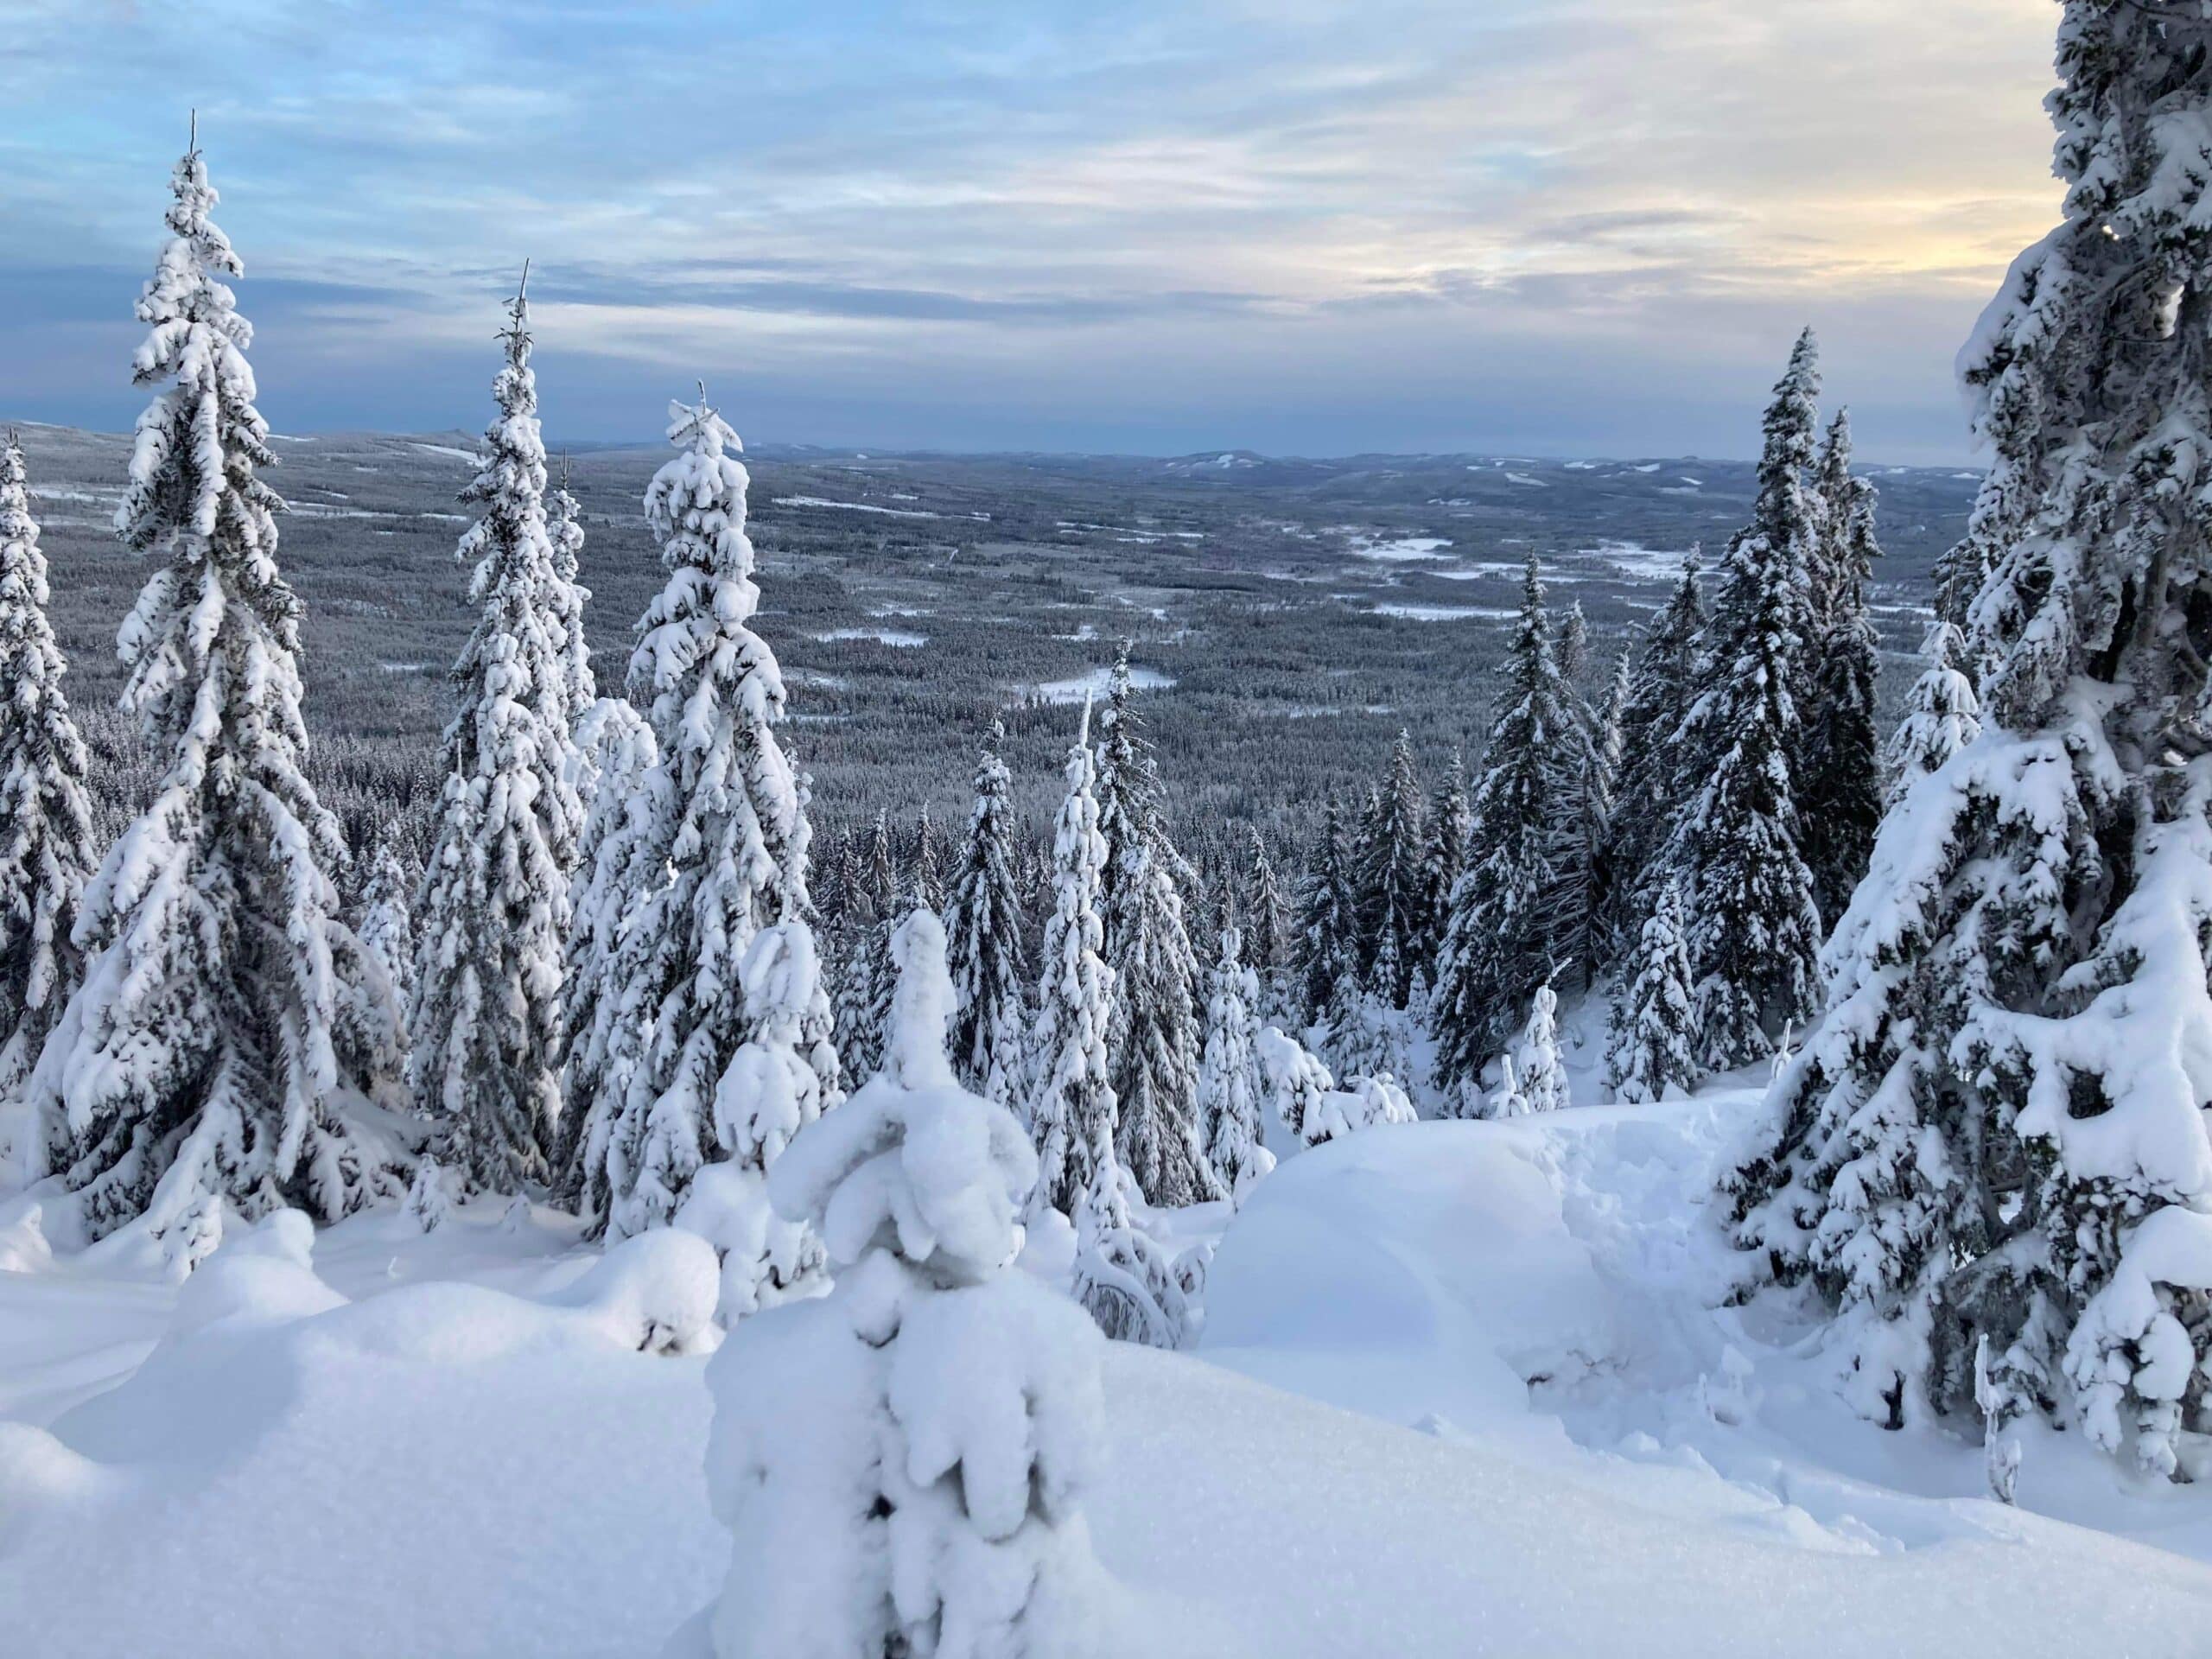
{"points": [[902, 1463]]}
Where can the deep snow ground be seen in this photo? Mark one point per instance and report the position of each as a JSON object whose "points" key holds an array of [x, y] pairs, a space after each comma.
{"points": [[1527, 1428]]}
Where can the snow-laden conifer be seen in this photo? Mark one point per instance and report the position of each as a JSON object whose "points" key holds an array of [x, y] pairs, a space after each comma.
{"points": [[1941, 714], [925, 865], [902, 1464], [1121, 1276], [488, 1024], [1840, 797], [1655, 779], [1309, 1104], [771, 1091], [984, 935], [615, 749], [226, 1019], [1502, 938], [1992, 1158], [1072, 1105], [1328, 939], [1539, 1073], [386, 927], [1443, 857], [47, 851], [865, 978], [1229, 1073], [1391, 892], [566, 598], [1154, 1036], [1738, 843], [1653, 1047], [1268, 932], [1155, 1079], [722, 815]]}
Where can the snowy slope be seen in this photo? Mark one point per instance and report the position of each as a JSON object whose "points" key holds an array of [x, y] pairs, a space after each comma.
{"points": [[451, 1444]]}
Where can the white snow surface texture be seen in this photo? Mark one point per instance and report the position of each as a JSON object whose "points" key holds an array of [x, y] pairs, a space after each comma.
{"points": [[1463, 1389]]}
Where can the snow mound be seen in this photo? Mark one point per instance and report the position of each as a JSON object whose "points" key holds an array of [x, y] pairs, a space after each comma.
{"points": [[1413, 1273]]}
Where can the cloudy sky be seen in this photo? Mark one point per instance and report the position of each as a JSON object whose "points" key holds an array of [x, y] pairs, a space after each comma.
{"points": [[1312, 226]]}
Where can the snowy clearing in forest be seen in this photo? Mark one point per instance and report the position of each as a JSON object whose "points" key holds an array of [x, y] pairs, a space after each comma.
{"points": [[1405, 550], [1634, 559], [1443, 612], [1095, 684], [450, 451], [881, 636], [852, 506], [1463, 1389]]}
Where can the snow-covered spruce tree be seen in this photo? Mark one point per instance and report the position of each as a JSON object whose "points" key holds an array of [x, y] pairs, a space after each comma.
{"points": [[1157, 1029], [1541, 1076], [865, 976], [566, 598], [925, 865], [1993, 1158], [46, 852], [721, 815], [227, 1016], [1503, 938], [1391, 892], [1840, 796], [1229, 1074], [1737, 844], [386, 927], [1654, 780], [771, 1090], [1309, 1104], [1071, 1094], [615, 749], [1268, 932], [1123, 1278], [984, 934], [1154, 1036], [902, 1463], [1584, 942], [1653, 1046], [1328, 944], [487, 1023], [1450, 822], [1941, 714]]}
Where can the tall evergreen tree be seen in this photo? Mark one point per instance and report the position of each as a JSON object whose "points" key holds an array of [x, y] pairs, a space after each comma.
{"points": [[1942, 716], [47, 851], [1229, 1073], [1841, 793], [1268, 932], [1755, 928], [988, 955], [925, 865], [615, 750], [1450, 822], [225, 1014], [1072, 1111], [866, 977], [486, 1024], [1153, 1039], [1391, 892], [724, 815], [1502, 938], [1655, 779], [1155, 1049], [1328, 943], [386, 927], [1993, 1159]]}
